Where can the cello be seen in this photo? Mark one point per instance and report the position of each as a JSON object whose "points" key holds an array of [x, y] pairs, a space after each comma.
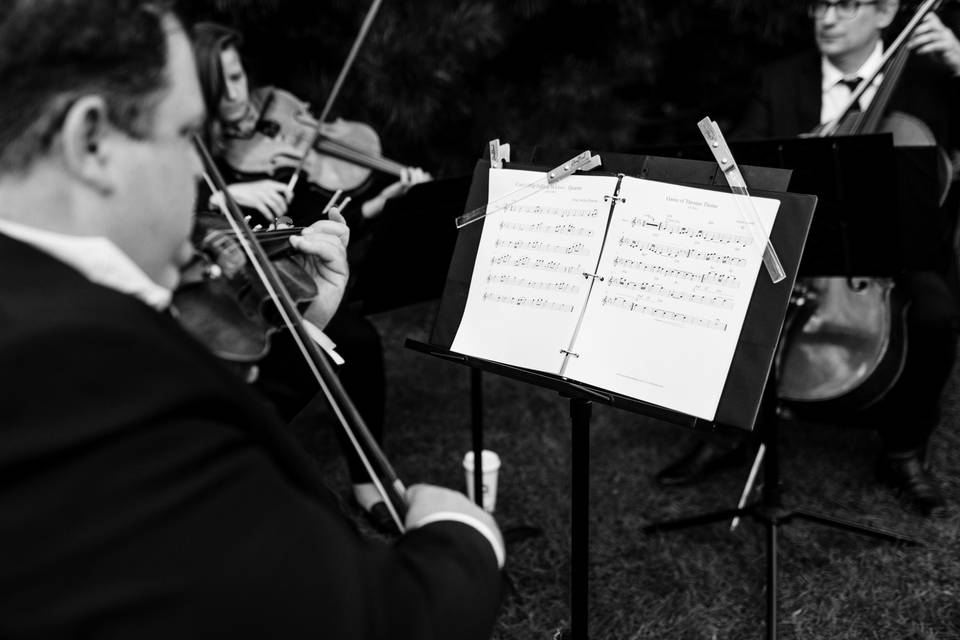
{"points": [[844, 340]]}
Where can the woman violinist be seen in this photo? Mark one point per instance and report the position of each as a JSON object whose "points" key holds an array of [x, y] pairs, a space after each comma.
{"points": [[234, 115], [247, 147]]}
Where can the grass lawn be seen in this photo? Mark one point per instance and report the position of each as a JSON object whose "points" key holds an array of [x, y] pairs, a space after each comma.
{"points": [[702, 583]]}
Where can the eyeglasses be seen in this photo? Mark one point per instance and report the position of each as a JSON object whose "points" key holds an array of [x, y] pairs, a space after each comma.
{"points": [[845, 9]]}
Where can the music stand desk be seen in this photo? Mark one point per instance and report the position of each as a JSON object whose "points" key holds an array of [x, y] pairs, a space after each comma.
{"points": [[741, 398]]}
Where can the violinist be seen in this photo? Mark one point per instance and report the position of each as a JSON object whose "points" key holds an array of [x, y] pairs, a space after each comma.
{"points": [[791, 98], [236, 111], [147, 492]]}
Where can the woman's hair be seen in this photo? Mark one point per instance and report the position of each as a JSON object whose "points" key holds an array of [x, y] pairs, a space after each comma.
{"points": [[209, 40]]}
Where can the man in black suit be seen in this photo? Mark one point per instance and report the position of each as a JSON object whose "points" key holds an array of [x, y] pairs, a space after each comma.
{"points": [[144, 491], [791, 98]]}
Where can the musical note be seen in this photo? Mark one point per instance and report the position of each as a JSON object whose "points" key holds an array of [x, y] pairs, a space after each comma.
{"points": [[540, 227], [723, 279], [673, 228], [662, 314], [563, 287], [720, 302], [560, 212], [671, 251], [579, 248], [524, 301]]}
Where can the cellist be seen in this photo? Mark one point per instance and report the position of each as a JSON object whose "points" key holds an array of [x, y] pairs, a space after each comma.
{"points": [[791, 98]]}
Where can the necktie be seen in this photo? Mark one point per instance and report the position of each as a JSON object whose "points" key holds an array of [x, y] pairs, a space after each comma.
{"points": [[852, 84]]}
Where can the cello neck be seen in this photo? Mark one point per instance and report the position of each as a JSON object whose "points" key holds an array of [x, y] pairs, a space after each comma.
{"points": [[891, 65]]}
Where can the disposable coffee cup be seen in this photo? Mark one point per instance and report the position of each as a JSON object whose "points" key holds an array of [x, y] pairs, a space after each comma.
{"points": [[491, 467]]}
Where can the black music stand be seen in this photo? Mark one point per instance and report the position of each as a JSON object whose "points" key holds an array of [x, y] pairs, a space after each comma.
{"points": [[857, 231], [741, 398]]}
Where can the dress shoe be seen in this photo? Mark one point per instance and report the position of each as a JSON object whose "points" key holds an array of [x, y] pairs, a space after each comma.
{"points": [[905, 472], [704, 459]]}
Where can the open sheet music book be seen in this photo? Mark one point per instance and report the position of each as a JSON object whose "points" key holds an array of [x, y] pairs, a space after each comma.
{"points": [[630, 285]]}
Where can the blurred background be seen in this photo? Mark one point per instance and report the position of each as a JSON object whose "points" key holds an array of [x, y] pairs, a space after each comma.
{"points": [[438, 78]]}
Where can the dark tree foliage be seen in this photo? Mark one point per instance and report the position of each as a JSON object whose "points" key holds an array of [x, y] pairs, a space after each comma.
{"points": [[438, 78]]}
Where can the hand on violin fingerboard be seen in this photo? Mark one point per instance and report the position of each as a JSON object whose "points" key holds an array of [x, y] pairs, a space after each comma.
{"points": [[269, 197], [409, 177], [326, 241]]}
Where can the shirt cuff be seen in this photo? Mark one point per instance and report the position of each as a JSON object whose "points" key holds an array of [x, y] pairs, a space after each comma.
{"points": [[447, 516]]}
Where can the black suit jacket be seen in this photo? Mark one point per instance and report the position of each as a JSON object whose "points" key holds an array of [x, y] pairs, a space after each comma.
{"points": [[146, 493], [786, 99]]}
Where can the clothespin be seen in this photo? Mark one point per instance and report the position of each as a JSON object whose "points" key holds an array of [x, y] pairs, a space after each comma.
{"points": [[499, 153]]}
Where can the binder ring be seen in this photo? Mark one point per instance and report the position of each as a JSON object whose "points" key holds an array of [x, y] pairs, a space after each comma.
{"points": [[608, 198], [570, 353], [592, 275]]}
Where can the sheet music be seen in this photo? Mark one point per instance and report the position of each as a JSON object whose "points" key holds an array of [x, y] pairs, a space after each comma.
{"points": [[679, 270], [528, 289]]}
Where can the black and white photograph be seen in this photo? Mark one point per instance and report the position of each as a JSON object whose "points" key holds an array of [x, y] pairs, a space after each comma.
{"points": [[480, 320]]}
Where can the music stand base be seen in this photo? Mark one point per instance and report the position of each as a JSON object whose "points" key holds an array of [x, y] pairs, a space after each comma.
{"points": [[769, 511]]}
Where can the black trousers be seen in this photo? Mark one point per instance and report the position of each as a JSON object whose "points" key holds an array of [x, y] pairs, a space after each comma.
{"points": [[907, 415], [288, 382]]}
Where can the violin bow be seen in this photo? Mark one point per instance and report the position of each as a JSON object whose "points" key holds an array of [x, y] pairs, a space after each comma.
{"points": [[337, 86], [383, 476]]}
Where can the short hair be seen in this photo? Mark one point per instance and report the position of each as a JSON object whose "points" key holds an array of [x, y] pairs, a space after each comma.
{"points": [[209, 40], [53, 52]]}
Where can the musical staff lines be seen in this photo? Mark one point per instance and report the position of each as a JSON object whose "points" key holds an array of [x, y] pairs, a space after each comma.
{"points": [[710, 277], [577, 249], [537, 264], [721, 302], [542, 227], [540, 285], [674, 228], [672, 251], [559, 212], [663, 314], [526, 301]]}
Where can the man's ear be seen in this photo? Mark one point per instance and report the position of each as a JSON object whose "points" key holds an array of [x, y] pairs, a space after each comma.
{"points": [[83, 135]]}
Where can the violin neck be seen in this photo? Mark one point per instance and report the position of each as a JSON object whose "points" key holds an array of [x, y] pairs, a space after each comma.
{"points": [[346, 152]]}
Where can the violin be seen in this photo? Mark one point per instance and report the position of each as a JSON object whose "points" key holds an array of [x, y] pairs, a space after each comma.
{"points": [[371, 456], [286, 138], [845, 338], [220, 299]]}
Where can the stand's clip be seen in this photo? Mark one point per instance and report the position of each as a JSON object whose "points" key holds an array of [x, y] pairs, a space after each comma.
{"points": [[499, 153], [581, 162], [721, 152]]}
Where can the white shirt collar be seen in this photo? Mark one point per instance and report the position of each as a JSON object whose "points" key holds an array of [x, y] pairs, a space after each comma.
{"points": [[831, 75], [95, 257]]}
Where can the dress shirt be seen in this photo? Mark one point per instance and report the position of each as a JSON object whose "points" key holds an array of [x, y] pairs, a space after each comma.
{"points": [[97, 258], [836, 95]]}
